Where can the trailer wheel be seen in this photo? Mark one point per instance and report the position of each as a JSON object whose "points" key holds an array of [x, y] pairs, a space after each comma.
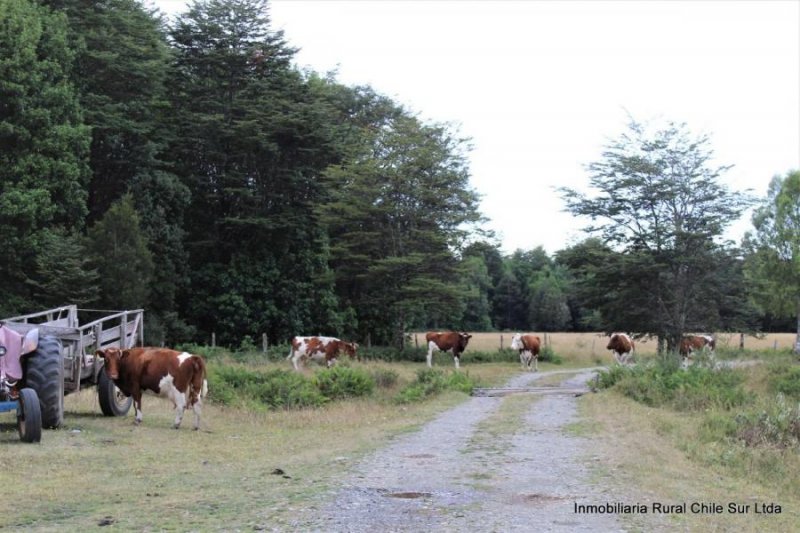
{"points": [[44, 373], [112, 401], [29, 416]]}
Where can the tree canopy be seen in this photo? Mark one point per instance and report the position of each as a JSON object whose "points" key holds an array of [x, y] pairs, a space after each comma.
{"points": [[662, 210]]}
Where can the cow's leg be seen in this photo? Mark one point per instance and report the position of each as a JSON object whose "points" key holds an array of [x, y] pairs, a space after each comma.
{"points": [[535, 362], [617, 358], [180, 407], [431, 344], [197, 406], [523, 360], [137, 405], [295, 358], [167, 388], [456, 360], [197, 389]]}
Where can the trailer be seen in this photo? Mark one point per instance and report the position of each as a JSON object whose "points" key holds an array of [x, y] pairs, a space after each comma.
{"points": [[60, 359]]}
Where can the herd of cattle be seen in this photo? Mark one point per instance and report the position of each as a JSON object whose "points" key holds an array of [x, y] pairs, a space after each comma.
{"points": [[181, 376]]}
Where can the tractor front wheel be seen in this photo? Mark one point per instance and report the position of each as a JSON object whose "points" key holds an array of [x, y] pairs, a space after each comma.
{"points": [[29, 416]]}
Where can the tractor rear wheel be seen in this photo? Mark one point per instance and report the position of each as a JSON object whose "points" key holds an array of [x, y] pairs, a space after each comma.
{"points": [[29, 416], [44, 373], [112, 401]]}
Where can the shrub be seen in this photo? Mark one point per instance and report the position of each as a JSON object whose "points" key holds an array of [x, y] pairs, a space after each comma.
{"points": [[343, 382], [778, 425], [384, 377], [664, 383], [432, 381], [547, 355], [234, 385], [785, 380]]}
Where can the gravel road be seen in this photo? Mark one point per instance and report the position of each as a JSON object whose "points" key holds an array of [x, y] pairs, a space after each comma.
{"points": [[445, 477]]}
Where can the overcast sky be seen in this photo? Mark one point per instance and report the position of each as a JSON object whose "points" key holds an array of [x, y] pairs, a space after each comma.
{"points": [[541, 86]]}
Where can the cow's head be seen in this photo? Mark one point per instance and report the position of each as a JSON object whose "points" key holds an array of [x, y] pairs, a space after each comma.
{"points": [[516, 341], [350, 349], [612, 342], [111, 359], [463, 339]]}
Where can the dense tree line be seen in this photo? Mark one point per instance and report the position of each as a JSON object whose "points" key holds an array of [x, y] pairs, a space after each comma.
{"points": [[190, 169]]}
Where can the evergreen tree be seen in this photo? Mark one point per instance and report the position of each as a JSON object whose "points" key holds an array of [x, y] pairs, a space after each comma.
{"points": [[400, 208], [253, 139], [122, 63], [43, 146], [118, 250]]}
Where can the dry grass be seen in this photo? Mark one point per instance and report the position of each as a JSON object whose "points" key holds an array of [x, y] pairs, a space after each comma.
{"points": [[585, 349], [99, 470], [643, 458]]}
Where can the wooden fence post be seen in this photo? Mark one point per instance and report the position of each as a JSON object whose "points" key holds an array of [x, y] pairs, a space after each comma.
{"points": [[501, 342], [264, 342], [213, 339], [416, 341], [741, 341]]}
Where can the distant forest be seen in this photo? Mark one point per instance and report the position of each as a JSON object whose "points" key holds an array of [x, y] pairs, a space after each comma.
{"points": [[190, 169]]}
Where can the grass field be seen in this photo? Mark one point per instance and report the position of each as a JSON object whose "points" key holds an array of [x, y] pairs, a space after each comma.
{"points": [[97, 471]]}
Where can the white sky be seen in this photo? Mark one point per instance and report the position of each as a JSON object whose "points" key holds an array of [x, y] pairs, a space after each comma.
{"points": [[541, 86]]}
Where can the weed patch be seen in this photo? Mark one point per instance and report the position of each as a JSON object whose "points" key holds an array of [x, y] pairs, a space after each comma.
{"points": [[431, 381]]}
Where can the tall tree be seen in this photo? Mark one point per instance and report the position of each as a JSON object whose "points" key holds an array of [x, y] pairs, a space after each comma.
{"points": [[773, 261], [661, 206], [118, 250], [401, 208], [548, 307], [43, 145], [253, 139], [122, 63]]}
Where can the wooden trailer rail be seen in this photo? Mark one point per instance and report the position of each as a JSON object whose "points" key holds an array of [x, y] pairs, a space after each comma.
{"points": [[121, 329]]}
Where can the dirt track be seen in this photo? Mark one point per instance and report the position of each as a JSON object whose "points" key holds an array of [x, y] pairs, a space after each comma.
{"points": [[442, 478]]}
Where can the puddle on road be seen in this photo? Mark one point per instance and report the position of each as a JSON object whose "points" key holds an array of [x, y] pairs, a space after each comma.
{"points": [[408, 495], [536, 498]]}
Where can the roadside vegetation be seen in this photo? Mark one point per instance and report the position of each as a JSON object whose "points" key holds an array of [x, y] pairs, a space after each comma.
{"points": [[704, 434]]}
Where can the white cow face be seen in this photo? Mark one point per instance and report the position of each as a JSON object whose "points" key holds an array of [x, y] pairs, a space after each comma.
{"points": [[516, 341]]}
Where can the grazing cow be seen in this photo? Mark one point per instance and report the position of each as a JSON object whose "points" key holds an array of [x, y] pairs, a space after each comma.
{"points": [[528, 346], [691, 343], [455, 341], [622, 346], [179, 376], [319, 348]]}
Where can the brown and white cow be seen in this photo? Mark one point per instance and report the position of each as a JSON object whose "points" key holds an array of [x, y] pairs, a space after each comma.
{"points": [[528, 346], [454, 341], [320, 349], [692, 343], [179, 376], [622, 346]]}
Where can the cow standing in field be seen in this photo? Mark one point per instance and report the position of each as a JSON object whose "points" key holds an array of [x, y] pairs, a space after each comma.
{"points": [[179, 376], [455, 341], [622, 346], [319, 348], [691, 343], [528, 346]]}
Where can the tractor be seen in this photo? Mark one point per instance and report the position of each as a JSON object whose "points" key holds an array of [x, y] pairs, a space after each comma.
{"points": [[47, 355]]}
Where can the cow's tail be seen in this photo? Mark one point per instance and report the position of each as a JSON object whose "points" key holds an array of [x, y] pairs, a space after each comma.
{"points": [[200, 379]]}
